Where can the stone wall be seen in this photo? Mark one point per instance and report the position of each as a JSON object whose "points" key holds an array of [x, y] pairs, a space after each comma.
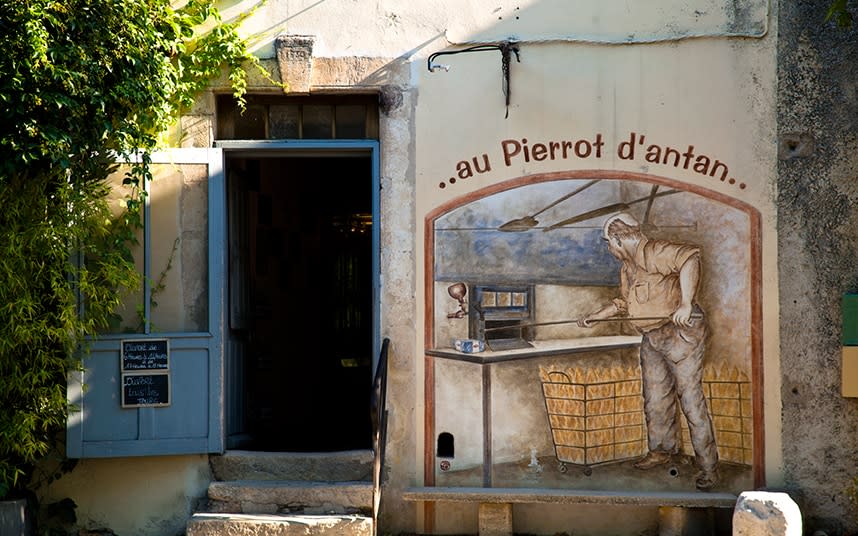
{"points": [[818, 247]]}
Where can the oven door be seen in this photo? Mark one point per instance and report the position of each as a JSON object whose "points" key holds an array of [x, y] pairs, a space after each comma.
{"points": [[500, 314]]}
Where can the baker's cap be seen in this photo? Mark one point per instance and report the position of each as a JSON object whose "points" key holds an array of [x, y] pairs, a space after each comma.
{"points": [[624, 217]]}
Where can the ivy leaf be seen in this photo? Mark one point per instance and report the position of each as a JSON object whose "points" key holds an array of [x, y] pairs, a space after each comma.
{"points": [[838, 11]]}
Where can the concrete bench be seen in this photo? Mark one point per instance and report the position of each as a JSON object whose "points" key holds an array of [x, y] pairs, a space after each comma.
{"points": [[495, 513]]}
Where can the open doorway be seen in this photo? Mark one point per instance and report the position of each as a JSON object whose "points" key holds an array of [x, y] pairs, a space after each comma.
{"points": [[301, 302]]}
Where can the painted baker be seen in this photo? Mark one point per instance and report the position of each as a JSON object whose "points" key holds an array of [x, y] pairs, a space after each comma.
{"points": [[658, 284]]}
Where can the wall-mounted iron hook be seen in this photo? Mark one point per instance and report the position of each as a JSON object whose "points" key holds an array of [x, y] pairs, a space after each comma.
{"points": [[506, 48]]}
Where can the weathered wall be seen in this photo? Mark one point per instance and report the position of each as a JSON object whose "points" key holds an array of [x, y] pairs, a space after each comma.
{"points": [[148, 496], [818, 188]]}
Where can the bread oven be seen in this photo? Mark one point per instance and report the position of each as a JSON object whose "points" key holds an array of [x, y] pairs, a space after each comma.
{"points": [[501, 315]]}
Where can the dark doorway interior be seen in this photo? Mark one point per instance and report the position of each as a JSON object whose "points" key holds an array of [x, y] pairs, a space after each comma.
{"points": [[301, 301]]}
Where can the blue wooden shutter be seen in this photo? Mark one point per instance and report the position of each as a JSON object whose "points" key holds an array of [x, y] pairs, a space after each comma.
{"points": [[193, 422]]}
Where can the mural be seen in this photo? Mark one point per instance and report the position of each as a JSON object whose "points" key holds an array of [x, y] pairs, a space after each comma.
{"points": [[594, 333]]}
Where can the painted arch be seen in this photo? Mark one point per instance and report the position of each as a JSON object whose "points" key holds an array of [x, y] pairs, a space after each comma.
{"points": [[557, 405]]}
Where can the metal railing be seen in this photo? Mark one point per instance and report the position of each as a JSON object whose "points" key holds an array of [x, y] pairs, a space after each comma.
{"points": [[378, 414]]}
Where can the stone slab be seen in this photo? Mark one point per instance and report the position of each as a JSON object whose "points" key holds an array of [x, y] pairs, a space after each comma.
{"points": [[344, 466], [563, 496], [332, 496], [277, 525]]}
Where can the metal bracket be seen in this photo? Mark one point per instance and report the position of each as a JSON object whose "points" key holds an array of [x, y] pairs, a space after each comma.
{"points": [[506, 48]]}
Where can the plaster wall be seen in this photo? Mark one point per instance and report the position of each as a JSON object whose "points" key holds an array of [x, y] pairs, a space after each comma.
{"points": [[149, 496], [388, 27], [715, 94], [817, 125]]}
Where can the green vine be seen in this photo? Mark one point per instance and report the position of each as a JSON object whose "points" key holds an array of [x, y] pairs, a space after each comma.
{"points": [[83, 84], [201, 58], [838, 11], [156, 287]]}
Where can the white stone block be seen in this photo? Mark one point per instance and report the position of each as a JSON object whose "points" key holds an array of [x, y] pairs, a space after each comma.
{"points": [[761, 513]]}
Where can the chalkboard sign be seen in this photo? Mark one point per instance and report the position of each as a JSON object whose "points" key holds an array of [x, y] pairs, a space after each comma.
{"points": [[145, 390], [145, 354]]}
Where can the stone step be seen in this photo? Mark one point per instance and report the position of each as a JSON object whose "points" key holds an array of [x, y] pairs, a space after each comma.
{"points": [[212, 524], [312, 466], [290, 497]]}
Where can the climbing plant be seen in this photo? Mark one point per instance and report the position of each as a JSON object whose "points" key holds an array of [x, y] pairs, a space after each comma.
{"points": [[82, 84], [838, 11]]}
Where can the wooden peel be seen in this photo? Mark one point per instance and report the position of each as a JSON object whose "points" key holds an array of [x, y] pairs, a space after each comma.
{"points": [[603, 211], [646, 226], [529, 222], [594, 320]]}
